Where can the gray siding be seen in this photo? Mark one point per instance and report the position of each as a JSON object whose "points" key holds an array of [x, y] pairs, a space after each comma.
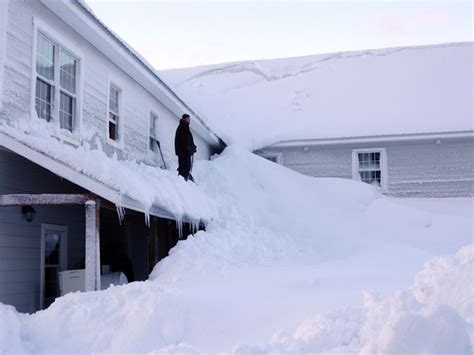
{"points": [[20, 241], [415, 168]]}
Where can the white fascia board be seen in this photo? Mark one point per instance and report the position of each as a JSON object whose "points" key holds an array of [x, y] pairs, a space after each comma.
{"points": [[77, 178], [3, 43], [100, 37], [371, 139]]}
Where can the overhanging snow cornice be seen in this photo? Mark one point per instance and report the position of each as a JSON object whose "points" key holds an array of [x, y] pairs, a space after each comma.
{"points": [[84, 22], [371, 139], [82, 180]]}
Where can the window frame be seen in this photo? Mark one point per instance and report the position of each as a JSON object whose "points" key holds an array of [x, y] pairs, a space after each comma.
{"points": [[155, 137], [278, 156], [116, 143], [61, 42], [383, 166]]}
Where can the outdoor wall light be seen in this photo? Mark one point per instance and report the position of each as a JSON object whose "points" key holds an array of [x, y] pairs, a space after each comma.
{"points": [[29, 213]]}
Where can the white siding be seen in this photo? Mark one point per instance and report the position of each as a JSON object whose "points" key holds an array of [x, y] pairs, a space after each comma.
{"points": [[96, 71], [20, 240], [3, 34], [415, 169]]}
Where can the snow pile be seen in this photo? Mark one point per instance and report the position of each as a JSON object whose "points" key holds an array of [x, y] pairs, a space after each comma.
{"points": [[10, 330], [148, 185], [282, 267], [413, 321], [352, 94]]}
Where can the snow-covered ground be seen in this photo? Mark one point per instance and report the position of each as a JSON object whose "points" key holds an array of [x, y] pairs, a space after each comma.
{"points": [[289, 263]]}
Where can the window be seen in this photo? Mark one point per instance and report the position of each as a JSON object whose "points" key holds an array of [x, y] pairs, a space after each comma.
{"points": [[368, 167], [56, 76], [114, 117], [273, 157], [153, 141]]}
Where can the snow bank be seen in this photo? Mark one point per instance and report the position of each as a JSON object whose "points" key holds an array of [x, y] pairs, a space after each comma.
{"points": [[148, 185], [384, 92], [10, 330], [282, 267], [413, 321]]}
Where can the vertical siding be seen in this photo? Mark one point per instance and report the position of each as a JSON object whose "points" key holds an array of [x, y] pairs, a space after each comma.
{"points": [[20, 240], [415, 169]]}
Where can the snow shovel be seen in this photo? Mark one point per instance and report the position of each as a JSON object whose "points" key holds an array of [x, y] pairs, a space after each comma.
{"points": [[190, 170], [161, 153]]}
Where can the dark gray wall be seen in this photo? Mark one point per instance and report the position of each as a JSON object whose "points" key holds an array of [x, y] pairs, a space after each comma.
{"points": [[20, 241]]}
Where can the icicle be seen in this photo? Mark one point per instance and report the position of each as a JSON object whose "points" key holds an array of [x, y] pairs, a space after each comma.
{"points": [[179, 226], [120, 213], [147, 218]]}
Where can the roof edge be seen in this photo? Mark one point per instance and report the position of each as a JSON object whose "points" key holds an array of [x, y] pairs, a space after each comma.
{"points": [[370, 139], [65, 171], [68, 8]]}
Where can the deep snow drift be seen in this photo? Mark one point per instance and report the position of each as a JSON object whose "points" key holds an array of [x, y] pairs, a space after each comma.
{"points": [[348, 94], [290, 264]]}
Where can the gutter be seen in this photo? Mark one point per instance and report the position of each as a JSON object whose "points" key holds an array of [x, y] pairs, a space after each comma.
{"points": [[370, 139]]}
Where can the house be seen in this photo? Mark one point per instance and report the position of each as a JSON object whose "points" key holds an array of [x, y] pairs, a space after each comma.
{"points": [[409, 132], [82, 121], [400, 119]]}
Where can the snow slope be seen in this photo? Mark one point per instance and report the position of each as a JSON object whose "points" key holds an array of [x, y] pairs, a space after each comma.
{"points": [[349, 94], [290, 264]]}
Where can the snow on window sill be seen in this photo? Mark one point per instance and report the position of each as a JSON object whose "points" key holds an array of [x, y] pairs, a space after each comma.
{"points": [[115, 144], [68, 137]]}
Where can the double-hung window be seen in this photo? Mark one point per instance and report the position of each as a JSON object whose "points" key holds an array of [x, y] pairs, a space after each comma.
{"points": [[114, 116], [153, 136], [369, 166], [56, 77]]}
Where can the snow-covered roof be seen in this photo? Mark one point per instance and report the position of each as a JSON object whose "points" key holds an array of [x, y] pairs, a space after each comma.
{"points": [[396, 91], [81, 18], [126, 183]]}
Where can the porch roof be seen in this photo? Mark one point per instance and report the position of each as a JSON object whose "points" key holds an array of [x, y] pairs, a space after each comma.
{"points": [[127, 184]]}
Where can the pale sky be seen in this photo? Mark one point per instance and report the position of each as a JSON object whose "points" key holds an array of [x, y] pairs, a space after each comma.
{"points": [[185, 33]]}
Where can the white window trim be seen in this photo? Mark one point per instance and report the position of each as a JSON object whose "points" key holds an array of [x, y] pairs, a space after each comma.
{"points": [[3, 43], [64, 255], [118, 144], [277, 155], [150, 112], [59, 38], [383, 166]]}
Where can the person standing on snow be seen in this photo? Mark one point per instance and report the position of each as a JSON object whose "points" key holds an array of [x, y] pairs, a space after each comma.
{"points": [[184, 147]]}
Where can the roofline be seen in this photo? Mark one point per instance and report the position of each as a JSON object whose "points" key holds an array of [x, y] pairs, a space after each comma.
{"points": [[370, 139], [93, 30], [65, 171]]}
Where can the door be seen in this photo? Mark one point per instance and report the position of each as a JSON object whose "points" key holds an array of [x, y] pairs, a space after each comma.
{"points": [[53, 260]]}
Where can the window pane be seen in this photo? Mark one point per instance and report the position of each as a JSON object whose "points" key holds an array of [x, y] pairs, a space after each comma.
{"points": [[66, 112], [45, 57], [43, 100], [68, 71], [113, 134], [114, 100]]}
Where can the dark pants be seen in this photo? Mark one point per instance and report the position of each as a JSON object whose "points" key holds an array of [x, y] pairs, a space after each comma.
{"points": [[184, 166]]}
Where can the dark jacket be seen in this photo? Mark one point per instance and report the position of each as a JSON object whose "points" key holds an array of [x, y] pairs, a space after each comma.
{"points": [[183, 140]]}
